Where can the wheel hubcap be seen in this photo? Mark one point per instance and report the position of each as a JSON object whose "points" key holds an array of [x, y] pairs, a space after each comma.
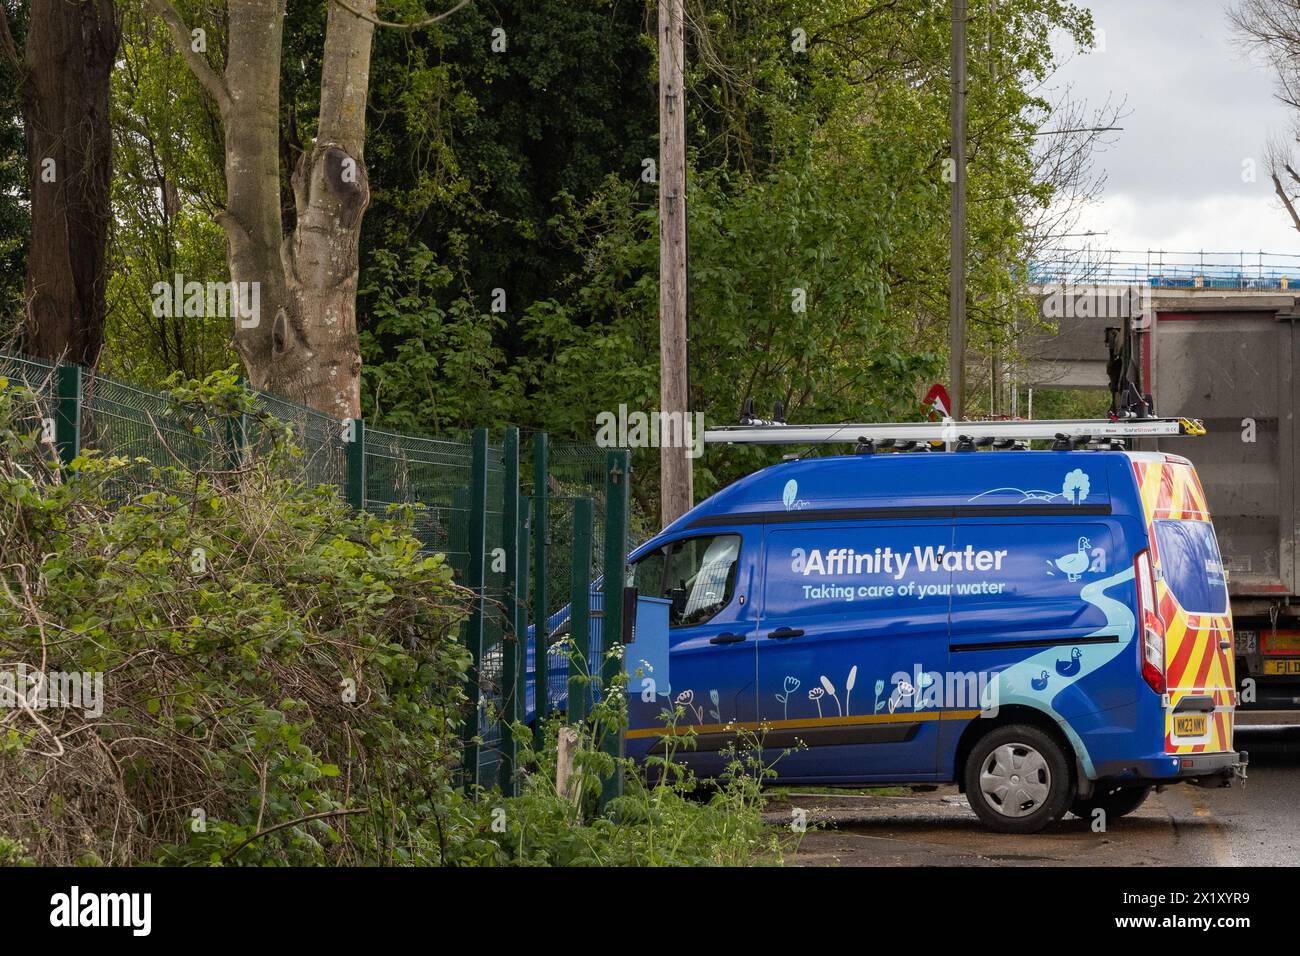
{"points": [[1015, 780]]}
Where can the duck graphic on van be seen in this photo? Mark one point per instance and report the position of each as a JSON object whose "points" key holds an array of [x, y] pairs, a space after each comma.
{"points": [[1076, 562], [1071, 667]]}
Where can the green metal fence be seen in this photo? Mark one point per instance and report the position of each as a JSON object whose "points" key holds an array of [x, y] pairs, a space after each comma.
{"points": [[500, 506]]}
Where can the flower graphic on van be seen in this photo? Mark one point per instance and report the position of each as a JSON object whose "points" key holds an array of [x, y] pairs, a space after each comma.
{"points": [[830, 689], [791, 685], [1076, 486], [716, 711], [903, 690], [686, 699], [816, 694]]}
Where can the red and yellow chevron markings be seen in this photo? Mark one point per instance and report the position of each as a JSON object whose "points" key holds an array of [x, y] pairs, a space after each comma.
{"points": [[1197, 662]]}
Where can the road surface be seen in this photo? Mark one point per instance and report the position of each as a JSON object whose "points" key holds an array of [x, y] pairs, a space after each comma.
{"points": [[1258, 824]]}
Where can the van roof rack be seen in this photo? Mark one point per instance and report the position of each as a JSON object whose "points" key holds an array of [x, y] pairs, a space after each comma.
{"points": [[963, 435]]}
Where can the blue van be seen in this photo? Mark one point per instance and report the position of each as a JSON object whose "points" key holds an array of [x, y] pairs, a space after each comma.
{"points": [[1048, 629]]}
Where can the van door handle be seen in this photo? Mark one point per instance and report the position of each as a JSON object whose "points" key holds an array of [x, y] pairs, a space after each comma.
{"points": [[785, 633], [727, 639], [1224, 645]]}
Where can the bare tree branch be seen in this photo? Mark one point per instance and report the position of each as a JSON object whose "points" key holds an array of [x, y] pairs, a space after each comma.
{"points": [[1286, 200], [418, 25], [197, 63]]}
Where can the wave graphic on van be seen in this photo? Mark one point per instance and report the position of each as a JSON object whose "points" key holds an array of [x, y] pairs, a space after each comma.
{"points": [[1036, 681]]}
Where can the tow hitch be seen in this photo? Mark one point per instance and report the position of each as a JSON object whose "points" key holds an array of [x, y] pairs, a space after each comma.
{"points": [[1225, 776]]}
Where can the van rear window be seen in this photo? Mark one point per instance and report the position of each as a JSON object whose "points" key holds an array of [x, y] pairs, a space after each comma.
{"points": [[1189, 559]]}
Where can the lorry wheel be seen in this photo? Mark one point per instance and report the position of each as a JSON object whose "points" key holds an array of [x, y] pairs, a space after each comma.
{"points": [[1018, 779], [1116, 801]]}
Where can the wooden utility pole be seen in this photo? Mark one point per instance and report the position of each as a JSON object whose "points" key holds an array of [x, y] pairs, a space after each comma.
{"points": [[676, 494], [957, 261]]}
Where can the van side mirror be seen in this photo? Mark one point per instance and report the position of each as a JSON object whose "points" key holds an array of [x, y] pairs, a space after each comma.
{"points": [[678, 596], [629, 614]]}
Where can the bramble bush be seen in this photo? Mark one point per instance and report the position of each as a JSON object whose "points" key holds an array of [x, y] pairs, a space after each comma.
{"points": [[282, 679]]}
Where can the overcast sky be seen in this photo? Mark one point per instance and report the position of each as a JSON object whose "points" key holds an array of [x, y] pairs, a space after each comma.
{"points": [[1198, 108]]}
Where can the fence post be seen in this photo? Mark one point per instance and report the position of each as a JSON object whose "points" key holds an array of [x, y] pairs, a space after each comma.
{"points": [[475, 579], [618, 468], [67, 413], [512, 639], [237, 434], [521, 611], [354, 436], [584, 520], [541, 538]]}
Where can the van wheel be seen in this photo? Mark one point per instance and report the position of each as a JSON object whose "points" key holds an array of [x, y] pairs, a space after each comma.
{"points": [[1116, 801], [1018, 779]]}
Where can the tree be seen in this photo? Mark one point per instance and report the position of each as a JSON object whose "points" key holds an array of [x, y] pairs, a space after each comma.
{"points": [[65, 72], [15, 203], [1272, 27], [302, 342], [168, 188]]}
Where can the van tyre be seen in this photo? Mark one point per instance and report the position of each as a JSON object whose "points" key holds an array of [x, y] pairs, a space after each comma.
{"points": [[1116, 801], [1018, 779]]}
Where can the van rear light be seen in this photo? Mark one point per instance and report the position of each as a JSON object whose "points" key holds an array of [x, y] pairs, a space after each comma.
{"points": [[1152, 652]]}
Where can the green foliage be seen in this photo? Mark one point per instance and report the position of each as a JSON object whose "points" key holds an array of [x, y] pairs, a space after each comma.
{"points": [[430, 367], [468, 149], [1068, 403], [818, 232], [665, 816], [281, 678], [282, 682], [818, 206], [168, 189]]}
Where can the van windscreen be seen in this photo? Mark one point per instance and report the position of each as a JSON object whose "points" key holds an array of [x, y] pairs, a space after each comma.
{"points": [[1193, 570]]}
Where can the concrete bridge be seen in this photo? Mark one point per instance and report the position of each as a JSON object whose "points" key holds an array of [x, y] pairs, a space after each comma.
{"points": [[1075, 357]]}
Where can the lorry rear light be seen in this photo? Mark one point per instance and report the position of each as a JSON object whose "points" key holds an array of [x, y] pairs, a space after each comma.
{"points": [[1152, 651]]}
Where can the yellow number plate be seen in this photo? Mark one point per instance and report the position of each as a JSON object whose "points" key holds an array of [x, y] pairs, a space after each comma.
{"points": [[1282, 667], [1191, 725]]}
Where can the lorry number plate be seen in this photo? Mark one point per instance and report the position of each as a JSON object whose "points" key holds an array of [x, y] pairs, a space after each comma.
{"points": [[1282, 667]]}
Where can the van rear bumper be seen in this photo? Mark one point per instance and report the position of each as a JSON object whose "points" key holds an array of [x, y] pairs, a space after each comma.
{"points": [[1211, 770]]}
